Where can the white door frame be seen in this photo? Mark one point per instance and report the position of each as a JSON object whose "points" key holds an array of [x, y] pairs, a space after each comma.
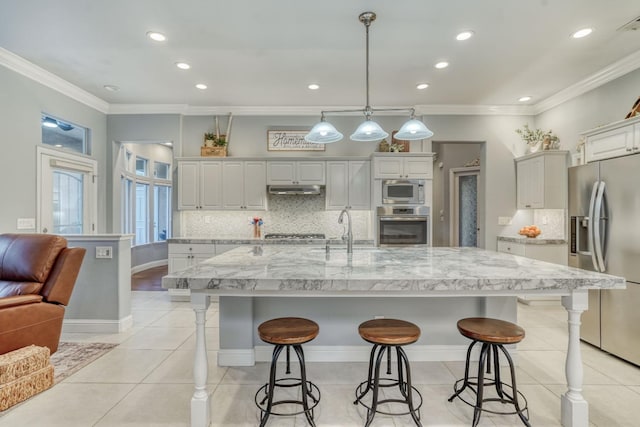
{"points": [[454, 193], [48, 157]]}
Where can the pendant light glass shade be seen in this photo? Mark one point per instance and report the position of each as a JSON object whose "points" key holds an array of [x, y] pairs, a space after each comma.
{"points": [[369, 131], [323, 133], [412, 130]]}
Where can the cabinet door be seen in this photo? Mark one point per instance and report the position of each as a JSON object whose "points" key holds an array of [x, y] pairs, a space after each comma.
{"points": [[210, 185], [281, 173], [337, 185], [311, 173], [388, 167], [418, 167], [233, 185], [360, 185], [613, 143], [530, 183], [511, 248], [636, 137], [179, 262], [255, 185], [188, 188]]}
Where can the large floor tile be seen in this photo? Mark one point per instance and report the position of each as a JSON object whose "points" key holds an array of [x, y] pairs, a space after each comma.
{"points": [[121, 365], [234, 405], [621, 371], [166, 405], [178, 368], [67, 405], [146, 317], [158, 338], [547, 367], [212, 337], [457, 370]]}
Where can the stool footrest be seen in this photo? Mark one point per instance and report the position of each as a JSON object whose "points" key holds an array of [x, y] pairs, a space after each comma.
{"points": [[313, 393], [507, 400], [388, 382]]}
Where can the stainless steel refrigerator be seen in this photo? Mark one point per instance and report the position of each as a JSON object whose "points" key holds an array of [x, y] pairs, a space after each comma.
{"points": [[604, 221]]}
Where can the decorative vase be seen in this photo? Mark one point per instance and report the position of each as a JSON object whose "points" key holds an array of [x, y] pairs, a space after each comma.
{"points": [[256, 231], [534, 148]]}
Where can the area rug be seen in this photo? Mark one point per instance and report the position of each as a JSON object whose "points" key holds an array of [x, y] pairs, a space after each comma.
{"points": [[73, 356]]}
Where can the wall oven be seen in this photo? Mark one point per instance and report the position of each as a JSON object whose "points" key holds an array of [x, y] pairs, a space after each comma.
{"points": [[403, 191], [402, 225]]}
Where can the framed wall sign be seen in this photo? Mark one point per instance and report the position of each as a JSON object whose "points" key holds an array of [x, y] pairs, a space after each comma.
{"points": [[290, 140]]}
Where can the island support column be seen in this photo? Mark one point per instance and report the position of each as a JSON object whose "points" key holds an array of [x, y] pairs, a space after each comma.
{"points": [[574, 409], [201, 400]]}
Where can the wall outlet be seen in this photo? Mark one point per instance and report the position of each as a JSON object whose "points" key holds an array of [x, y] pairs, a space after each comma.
{"points": [[545, 220], [378, 317], [504, 220], [207, 219], [104, 252], [26, 223]]}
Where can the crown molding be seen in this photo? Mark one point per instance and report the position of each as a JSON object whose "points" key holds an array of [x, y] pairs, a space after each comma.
{"points": [[611, 72], [21, 66], [474, 110]]}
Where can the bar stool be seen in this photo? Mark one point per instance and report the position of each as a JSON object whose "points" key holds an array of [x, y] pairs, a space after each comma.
{"points": [[284, 333], [493, 334], [385, 334]]}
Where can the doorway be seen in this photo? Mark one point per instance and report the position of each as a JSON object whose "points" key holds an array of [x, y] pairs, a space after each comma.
{"points": [[463, 183]]}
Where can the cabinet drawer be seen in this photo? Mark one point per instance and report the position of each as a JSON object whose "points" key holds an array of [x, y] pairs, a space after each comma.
{"points": [[511, 248], [193, 248]]}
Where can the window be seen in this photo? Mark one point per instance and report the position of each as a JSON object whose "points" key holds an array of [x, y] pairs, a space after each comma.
{"points": [[142, 213], [67, 202], [141, 166], [63, 134], [161, 212], [161, 170]]}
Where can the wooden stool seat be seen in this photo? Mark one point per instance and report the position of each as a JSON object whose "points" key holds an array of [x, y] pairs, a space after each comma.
{"points": [[493, 331], [288, 330], [389, 332]]}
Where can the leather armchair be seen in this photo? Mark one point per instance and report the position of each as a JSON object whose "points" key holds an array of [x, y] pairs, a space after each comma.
{"points": [[37, 275]]}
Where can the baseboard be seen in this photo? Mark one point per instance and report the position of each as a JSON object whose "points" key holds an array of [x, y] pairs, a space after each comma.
{"points": [[99, 326], [148, 265]]}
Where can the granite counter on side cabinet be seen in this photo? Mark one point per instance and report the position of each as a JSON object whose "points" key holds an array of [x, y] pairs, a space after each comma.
{"points": [[338, 292], [531, 241]]}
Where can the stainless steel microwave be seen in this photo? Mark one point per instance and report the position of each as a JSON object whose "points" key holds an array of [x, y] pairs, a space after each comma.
{"points": [[403, 191]]}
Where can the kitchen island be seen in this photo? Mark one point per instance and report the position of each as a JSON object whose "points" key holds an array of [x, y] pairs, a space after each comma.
{"points": [[250, 280]]}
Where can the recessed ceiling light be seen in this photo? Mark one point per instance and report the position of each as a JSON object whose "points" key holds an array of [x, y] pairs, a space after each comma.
{"points": [[465, 35], [201, 86], [442, 64], [154, 35], [183, 65], [111, 88], [314, 86], [525, 99], [58, 145], [422, 86], [582, 33]]}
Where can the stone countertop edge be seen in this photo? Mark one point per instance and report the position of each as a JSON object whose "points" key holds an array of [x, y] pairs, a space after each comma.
{"points": [[233, 241], [531, 241]]}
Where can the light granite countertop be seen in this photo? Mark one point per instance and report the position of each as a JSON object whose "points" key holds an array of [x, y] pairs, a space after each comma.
{"points": [[531, 241], [234, 241], [276, 270]]}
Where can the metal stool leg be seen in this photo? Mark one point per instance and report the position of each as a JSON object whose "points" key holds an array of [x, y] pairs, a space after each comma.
{"points": [[376, 381], [481, 366], [512, 368], [370, 375], [408, 394], [305, 391], [272, 381], [465, 383]]}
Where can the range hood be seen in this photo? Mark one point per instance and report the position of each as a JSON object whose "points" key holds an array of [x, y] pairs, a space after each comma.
{"points": [[294, 189]]}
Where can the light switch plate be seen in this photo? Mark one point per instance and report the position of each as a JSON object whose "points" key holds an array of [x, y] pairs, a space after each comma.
{"points": [[104, 252], [26, 223]]}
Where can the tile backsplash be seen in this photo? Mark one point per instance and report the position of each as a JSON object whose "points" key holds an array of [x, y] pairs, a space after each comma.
{"points": [[553, 229], [286, 214]]}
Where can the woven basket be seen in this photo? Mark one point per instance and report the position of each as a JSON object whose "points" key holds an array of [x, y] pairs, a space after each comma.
{"points": [[213, 151], [21, 362], [25, 387]]}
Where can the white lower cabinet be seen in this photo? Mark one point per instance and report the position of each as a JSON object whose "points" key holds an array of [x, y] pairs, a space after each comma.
{"points": [[183, 255], [348, 185]]}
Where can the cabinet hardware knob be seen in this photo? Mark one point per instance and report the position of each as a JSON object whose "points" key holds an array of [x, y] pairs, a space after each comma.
{"points": [[628, 149]]}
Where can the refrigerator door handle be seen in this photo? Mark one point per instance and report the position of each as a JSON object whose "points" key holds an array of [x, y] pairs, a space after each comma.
{"points": [[598, 240], [590, 226]]}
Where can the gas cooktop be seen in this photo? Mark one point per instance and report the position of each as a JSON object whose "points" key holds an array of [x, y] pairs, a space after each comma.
{"points": [[294, 236]]}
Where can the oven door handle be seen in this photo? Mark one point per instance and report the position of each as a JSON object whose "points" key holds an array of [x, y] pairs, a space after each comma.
{"points": [[403, 218]]}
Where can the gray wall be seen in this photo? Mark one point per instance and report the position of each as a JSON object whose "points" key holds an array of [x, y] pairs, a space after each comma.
{"points": [[22, 101]]}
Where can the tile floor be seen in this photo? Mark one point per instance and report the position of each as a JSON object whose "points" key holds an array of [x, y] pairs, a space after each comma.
{"points": [[147, 380]]}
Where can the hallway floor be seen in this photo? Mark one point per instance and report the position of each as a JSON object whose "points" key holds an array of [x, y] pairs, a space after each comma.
{"points": [[147, 380]]}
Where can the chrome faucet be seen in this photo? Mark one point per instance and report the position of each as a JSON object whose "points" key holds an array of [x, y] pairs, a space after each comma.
{"points": [[349, 231]]}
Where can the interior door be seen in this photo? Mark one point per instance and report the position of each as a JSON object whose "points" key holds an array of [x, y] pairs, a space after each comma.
{"points": [[464, 206], [66, 193]]}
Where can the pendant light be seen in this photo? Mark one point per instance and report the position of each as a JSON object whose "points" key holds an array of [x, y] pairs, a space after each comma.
{"points": [[324, 132]]}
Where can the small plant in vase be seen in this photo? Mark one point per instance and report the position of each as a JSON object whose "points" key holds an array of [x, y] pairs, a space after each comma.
{"points": [[537, 139], [257, 222]]}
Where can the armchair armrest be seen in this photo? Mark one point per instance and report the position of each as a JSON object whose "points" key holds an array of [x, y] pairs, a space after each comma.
{"points": [[19, 300]]}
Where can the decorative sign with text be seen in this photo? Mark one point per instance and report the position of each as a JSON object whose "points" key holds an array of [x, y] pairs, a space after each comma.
{"points": [[290, 140]]}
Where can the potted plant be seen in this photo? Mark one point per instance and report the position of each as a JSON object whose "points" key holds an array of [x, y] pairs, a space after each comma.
{"points": [[209, 139], [537, 139]]}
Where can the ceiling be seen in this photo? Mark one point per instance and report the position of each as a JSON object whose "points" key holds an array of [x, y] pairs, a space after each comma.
{"points": [[265, 53]]}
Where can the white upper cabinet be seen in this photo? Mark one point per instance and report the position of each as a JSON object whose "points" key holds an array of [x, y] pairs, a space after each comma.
{"points": [[244, 185], [399, 166], [348, 185], [541, 180], [614, 140], [199, 185], [295, 172]]}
